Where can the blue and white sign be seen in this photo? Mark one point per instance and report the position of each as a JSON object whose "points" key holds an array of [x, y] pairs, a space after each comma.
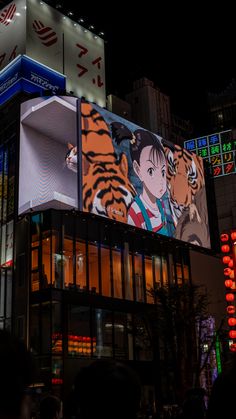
{"points": [[24, 74]]}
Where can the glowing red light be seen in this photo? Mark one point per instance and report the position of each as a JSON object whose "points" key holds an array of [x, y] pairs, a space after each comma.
{"points": [[226, 259], [231, 263], [233, 347], [225, 248], [233, 235], [224, 237], [229, 297], [228, 283], [232, 321], [230, 309], [232, 334]]}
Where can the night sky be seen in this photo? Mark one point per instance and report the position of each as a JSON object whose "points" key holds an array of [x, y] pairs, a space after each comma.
{"points": [[186, 51]]}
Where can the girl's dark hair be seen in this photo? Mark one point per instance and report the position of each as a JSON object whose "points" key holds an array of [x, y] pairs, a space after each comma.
{"points": [[138, 140]]}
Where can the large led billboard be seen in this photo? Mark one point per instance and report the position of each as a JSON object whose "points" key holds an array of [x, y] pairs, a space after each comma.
{"points": [[74, 154]]}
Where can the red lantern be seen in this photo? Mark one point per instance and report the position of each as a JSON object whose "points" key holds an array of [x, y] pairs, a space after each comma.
{"points": [[225, 248], [230, 309], [227, 271], [232, 334], [232, 321], [233, 235], [229, 297], [233, 347], [224, 237], [228, 283], [226, 259], [231, 263]]}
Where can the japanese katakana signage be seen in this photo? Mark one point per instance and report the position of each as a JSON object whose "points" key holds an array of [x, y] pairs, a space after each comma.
{"points": [[218, 149], [34, 28]]}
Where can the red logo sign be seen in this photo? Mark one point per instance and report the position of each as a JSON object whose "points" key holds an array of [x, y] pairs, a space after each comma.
{"points": [[7, 14], [46, 34]]}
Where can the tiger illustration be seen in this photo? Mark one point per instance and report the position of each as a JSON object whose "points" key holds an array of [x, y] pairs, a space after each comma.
{"points": [[107, 190], [184, 179]]}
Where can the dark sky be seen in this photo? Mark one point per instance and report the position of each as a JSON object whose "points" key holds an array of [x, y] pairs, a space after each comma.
{"points": [[186, 51]]}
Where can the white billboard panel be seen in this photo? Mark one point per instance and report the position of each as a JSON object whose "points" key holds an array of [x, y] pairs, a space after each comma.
{"points": [[44, 34], [63, 45], [12, 31], [84, 63]]}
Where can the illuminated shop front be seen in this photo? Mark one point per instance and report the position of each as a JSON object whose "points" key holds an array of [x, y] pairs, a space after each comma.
{"points": [[89, 282]]}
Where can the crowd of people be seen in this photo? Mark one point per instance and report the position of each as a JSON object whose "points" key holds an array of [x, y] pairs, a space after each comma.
{"points": [[105, 388]]}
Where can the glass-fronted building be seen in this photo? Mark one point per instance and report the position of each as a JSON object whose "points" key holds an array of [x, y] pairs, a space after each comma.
{"points": [[76, 287]]}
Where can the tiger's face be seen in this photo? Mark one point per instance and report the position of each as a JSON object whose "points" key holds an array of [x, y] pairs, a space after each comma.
{"points": [[184, 177], [107, 190]]}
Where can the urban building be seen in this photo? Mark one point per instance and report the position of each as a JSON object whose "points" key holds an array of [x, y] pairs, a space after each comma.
{"points": [[149, 107], [76, 277], [222, 108]]}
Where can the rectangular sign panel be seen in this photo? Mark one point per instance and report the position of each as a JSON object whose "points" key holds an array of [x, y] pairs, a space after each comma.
{"points": [[114, 169], [12, 31], [218, 149], [64, 45], [26, 74]]}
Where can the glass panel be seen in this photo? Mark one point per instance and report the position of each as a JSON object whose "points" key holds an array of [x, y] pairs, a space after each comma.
{"points": [[9, 294], [79, 338], [93, 267], [57, 371], [34, 259], [35, 281], [138, 277], [80, 265], [186, 273], [35, 229], [46, 327], [57, 345], [106, 271], [120, 335], [149, 279], [157, 271], [179, 273], [2, 294], [46, 268], [34, 329], [117, 279], [164, 271], [102, 333], [68, 262], [143, 347], [128, 273], [57, 262]]}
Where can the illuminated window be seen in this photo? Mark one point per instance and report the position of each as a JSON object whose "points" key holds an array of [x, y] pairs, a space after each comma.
{"points": [[116, 269], [138, 277], [128, 273], [106, 271], [149, 279], [93, 267], [81, 270]]}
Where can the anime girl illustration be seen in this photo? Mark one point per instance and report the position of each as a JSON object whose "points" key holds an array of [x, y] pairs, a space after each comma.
{"points": [[148, 210]]}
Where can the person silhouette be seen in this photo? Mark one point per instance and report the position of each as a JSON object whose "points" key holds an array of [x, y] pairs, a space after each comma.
{"points": [[16, 373], [221, 400], [50, 407], [107, 389]]}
